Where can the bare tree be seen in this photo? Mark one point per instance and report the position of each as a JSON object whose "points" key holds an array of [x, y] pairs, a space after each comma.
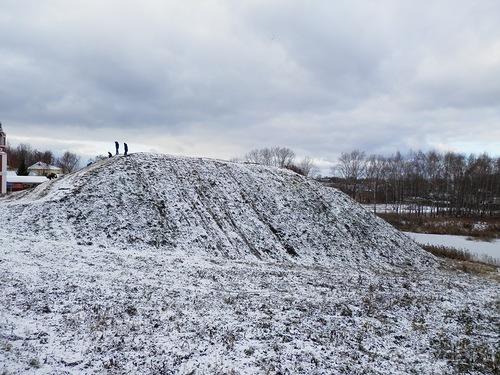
{"points": [[480, 174], [375, 166], [434, 174], [68, 162], [308, 167], [416, 166], [24, 154], [260, 156], [266, 156], [282, 156], [47, 157], [352, 167], [253, 156], [455, 167], [397, 173], [275, 157]]}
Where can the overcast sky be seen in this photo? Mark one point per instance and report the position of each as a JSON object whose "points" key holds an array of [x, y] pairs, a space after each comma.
{"points": [[218, 78]]}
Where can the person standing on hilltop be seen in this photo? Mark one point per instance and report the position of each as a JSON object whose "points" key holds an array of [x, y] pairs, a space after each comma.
{"points": [[125, 146], [109, 155], [117, 146]]}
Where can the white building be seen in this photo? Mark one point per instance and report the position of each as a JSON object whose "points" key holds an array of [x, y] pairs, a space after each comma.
{"points": [[43, 169]]}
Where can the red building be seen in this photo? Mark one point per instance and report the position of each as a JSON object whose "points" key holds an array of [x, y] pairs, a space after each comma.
{"points": [[3, 162]]}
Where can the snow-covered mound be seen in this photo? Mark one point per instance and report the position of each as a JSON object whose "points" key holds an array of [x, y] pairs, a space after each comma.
{"points": [[237, 211]]}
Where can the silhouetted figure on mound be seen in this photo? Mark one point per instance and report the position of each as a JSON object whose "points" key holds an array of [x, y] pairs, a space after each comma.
{"points": [[117, 146], [125, 146], [109, 154]]}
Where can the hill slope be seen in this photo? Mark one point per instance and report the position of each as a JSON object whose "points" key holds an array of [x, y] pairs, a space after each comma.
{"points": [[218, 208]]}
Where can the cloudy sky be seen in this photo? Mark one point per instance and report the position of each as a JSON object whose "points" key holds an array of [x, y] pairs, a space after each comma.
{"points": [[218, 78]]}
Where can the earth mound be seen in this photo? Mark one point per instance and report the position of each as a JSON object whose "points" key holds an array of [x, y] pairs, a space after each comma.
{"points": [[237, 211]]}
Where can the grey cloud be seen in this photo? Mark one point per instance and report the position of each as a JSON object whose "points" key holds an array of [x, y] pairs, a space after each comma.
{"points": [[319, 77]]}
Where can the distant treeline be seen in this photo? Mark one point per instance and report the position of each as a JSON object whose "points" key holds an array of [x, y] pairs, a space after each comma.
{"points": [[422, 182], [23, 156]]}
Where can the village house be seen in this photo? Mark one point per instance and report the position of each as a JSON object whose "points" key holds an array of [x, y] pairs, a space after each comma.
{"points": [[44, 169]]}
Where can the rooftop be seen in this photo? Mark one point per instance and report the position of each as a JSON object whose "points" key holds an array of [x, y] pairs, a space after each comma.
{"points": [[43, 166]]}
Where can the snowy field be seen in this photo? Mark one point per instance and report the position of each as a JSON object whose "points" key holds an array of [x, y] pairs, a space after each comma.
{"points": [[83, 309], [154, 264]]}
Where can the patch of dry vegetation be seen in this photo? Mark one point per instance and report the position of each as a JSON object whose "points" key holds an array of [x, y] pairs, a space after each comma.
{"points": [[484, 229], [449, 252], [464, 261]]}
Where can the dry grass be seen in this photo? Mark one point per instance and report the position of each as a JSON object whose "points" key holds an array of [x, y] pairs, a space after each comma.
{"points": [[464, 261], [484, 229], [449, 252]]}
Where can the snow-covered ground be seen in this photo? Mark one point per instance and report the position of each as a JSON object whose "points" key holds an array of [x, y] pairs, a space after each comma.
{"points": [[479, 248], [159, 264]]}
